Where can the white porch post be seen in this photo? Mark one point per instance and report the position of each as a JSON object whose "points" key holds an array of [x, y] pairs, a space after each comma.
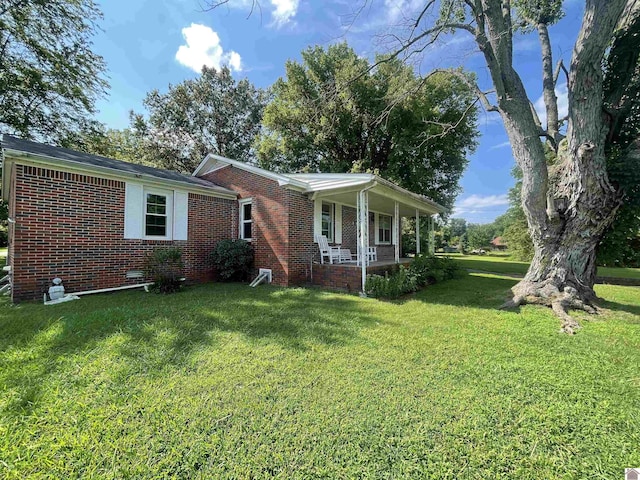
{"points": [[395, 235], [363, 233], [432, 237], [417, 232]]}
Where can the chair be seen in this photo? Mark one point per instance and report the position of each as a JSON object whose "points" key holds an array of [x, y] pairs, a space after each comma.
{"points": [[332, 253], [346, 256]]}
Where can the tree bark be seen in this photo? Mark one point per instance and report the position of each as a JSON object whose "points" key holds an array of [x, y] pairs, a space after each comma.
{"points": [[569, 206]]}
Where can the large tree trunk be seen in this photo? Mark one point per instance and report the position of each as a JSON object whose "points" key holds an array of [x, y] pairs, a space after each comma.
{"points": [[569, 205]]}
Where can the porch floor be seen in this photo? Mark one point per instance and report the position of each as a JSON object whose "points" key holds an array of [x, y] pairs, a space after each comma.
{"points": [[375, 265]]}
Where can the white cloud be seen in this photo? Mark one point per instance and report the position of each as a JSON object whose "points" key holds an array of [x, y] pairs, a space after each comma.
{"points": [[563, 104], [400, 9], [500, 145], [284, 11], [203, 48], [481, 208], [479, 201]]}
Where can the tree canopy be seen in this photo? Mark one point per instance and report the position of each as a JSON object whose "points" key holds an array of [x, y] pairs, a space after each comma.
{"points": [[570, 203], [49, 76], [334, 113], [212, 113]]}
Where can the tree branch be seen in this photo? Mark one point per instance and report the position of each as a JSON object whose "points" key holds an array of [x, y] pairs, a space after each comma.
{"points": [[556, 75], [482, 96]]}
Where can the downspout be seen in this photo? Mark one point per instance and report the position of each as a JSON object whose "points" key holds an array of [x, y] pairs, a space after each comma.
{"points": [[364, 227]]}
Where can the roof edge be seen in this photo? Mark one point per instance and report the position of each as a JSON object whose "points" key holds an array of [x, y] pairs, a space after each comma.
{"points": [[416, 196], [13, 155], [283, 180]]}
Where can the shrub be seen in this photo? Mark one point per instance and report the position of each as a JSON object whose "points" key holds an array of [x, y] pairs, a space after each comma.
{"points": [[164, 266], [395, 285], [424, 270], [430, 269], [233, 260]]}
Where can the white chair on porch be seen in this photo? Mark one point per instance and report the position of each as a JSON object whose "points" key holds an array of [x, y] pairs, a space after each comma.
{"points": [[332, 253], [372, 254]]}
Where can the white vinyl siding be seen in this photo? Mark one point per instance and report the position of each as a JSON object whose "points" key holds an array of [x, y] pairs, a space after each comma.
{"points": [[180, 215], [133, 214]]}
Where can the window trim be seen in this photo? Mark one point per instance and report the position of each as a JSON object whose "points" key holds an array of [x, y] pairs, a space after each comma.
{"points": [[332, 225], [379, 240], [168, 194], [242, 221]]}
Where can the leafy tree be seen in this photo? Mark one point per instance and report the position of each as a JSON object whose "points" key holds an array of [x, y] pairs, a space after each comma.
{"points": [[123, 144], [457, 227], [49, 77], [212, 113], [334, 113], [569, 204], [480, 235]]}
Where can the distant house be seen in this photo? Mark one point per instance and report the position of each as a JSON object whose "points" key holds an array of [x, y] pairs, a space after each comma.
{"points": [[498, 244], [91, 220]]}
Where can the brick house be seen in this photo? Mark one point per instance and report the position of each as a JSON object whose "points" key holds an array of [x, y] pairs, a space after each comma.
{"points": [[91, 220]]}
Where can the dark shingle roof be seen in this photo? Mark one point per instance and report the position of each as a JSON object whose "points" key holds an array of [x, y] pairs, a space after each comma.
{"points": [[39, 149]]}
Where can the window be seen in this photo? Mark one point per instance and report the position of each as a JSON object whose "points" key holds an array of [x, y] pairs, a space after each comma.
{"points": [[246, 221], [384, 229], [328, 220], [156, 215]]}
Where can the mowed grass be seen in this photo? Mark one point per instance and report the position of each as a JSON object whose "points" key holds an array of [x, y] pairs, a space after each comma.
{"points": [[225, 381], [500, 263]]}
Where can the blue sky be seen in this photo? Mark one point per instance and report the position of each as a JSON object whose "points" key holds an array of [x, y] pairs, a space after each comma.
{"points": [[149, 44]]}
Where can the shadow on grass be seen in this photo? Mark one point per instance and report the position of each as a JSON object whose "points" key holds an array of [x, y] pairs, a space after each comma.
{"points": [[623, 307], [472, 290], [488, 292], [152, 332]]}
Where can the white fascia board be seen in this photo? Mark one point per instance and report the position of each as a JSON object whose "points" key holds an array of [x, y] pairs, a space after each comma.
{"points": [[409, 198], [61, 164], [327, 192], [216, 161], [332, 176]]}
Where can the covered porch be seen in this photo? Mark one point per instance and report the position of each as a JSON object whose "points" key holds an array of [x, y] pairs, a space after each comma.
{"points": [[361, 214]]}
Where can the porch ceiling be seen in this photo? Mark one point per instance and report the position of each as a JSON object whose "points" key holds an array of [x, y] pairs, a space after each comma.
{"points": [[377, 203]]}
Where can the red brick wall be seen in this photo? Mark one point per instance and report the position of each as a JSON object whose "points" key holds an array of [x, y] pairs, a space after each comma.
{"points": [[350, 238], [283, 224], [270, 214], [72, 226], [301, 246], [347, 278]]}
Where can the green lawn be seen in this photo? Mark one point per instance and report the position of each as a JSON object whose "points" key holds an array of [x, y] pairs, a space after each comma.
{"points": [[500, 263], [225, 381]]}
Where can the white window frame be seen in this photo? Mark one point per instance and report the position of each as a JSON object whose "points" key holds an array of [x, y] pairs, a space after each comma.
{"points": [[242, 221], [168, 194], [379, 240], [332, 225]]}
